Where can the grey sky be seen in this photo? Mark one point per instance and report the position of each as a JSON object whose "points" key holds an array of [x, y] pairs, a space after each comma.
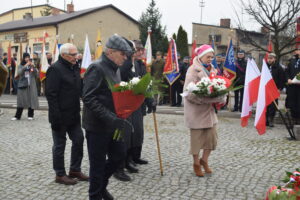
{"points": [[174, 12]]}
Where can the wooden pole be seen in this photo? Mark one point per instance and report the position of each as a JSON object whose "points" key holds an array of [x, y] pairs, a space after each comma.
{"points": [[290, 129], [157, 144]]}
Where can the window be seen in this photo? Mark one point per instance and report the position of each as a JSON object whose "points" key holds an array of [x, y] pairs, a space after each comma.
{"points": [[38, 47], [216, 37]]}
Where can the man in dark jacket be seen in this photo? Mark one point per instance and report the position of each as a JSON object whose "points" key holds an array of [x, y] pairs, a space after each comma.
{"points": [[134, 67], [293, 89], [279, 78], [63, 95], [241, 65], [99, 117]]}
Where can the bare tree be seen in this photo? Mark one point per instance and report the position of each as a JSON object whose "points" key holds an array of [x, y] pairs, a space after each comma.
{"points": [[278, 17]]}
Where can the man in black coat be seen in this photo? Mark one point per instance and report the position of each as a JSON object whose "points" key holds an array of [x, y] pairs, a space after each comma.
{"points": [[293, 89], [134, 67], [278, 76], [63, 95], [241, 65], [99, 116]]}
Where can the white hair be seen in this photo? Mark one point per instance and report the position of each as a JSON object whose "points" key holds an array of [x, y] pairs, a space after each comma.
{"points": [[65, 48]]}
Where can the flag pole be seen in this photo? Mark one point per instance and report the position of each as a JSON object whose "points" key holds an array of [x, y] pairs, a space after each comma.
{"points": [[157, 144], [290, 130]]}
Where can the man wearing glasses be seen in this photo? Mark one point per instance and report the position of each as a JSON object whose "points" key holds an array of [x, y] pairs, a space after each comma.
{"points": [[63, 89]]}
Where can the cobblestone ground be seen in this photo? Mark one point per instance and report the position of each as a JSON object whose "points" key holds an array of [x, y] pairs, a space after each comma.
{"points": [[244, 164]]}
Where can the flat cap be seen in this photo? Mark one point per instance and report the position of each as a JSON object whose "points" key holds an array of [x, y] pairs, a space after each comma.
{"points": [[118, 43]]}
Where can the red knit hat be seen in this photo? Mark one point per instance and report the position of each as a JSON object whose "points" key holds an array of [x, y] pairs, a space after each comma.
{"points": [[203, 49]]}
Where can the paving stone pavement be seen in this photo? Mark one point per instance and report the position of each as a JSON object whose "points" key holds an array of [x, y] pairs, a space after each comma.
{"points": [[245, 164]]}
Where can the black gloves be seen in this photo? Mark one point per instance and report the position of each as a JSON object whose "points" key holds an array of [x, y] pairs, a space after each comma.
{"points": [[151, 107], [119, 123]]}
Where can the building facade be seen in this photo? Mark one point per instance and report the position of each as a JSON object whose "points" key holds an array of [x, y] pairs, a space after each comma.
{"points": [[72, 26], [28, 12], [222, 34]]}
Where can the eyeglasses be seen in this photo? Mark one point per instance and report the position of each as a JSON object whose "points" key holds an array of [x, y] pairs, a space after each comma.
{"points": [[72, 54]]}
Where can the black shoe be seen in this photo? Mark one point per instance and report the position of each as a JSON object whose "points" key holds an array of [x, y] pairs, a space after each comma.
{"points": [[122, 176], [140, 161], [173, 105], [131, 168], [234, 110], [106, 195], [178, 105]]}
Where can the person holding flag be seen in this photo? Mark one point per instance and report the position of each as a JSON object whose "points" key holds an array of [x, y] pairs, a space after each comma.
{"points": [[199, 112]]}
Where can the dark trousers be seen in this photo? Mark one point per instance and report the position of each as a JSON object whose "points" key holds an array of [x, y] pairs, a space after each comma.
{"points": [[176, 90], [58, 150], [293, 98], [100, 144], [20, 111], [238, 99], [271, 110]]}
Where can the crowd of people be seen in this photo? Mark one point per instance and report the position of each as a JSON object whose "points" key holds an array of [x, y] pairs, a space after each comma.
{"points": [[122, 60]]}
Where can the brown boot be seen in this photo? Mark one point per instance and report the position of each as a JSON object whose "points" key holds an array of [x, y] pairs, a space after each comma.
{"points": [[198, 171], [79, 175], [65, 180], [205, 166]]}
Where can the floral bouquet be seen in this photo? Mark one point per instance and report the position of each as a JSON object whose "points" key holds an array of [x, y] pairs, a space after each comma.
{"points": [[296, 79], [212, 86], [129, 96], [289, 191]]}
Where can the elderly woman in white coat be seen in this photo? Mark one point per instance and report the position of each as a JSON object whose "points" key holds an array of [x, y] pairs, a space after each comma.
{"points": [[27, 96], [199, 112]]}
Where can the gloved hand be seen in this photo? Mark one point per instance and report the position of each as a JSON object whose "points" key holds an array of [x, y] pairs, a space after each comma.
{"points": [[55, 126], [151, 107], [119, 123]]}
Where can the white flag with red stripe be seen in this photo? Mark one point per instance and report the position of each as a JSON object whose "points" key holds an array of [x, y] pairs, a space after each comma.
{"points": [[87, 57], [267, 93], [250, 90]]}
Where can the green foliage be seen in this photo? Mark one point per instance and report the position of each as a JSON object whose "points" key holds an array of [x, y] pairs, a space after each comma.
{"points": [[182, 42], [165, 44], [174, 37], [151, 18], [47, 11], [142, 86]]}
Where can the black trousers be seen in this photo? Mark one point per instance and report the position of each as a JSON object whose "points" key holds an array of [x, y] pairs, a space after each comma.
{"points": [[58, 150], [238, 99], [20, 111], [100, 144], [176, 90], [271, 110], [293, 98]]}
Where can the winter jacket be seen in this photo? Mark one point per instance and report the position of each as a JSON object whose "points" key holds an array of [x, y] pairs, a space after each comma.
{"points": [[241, 65], [278, 75], [98, 111], [199, 112], [63, 93]]}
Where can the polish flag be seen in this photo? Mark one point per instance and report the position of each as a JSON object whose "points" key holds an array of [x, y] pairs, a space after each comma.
{"points": [[267, 93], [270, 49], [250, 90], [194, 46], [87, 57]]}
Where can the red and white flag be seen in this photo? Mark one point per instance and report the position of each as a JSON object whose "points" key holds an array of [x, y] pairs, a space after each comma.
{"points": [[270, 49], [250, 90], [44, 61], [194, 46], [267, 93], [87, 57]]}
